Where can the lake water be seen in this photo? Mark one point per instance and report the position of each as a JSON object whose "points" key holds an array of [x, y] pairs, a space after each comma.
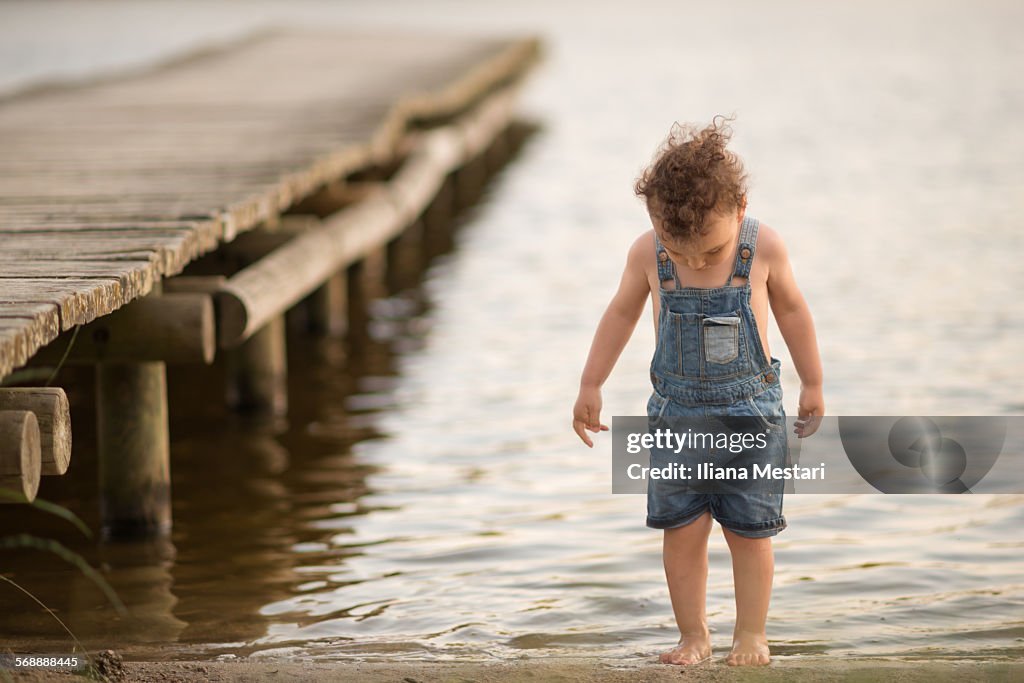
{"points": [[428, 499]]}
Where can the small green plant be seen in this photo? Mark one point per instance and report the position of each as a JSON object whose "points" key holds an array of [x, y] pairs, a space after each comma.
{"points": [[49, 545]]}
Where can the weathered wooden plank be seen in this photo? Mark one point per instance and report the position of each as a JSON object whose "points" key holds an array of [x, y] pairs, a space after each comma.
{"points": [[134, 278], [169, 252], [151, 228], [68, 258], [12, 267], [176, 247], [20, 337], [78, 300], [25, 310], [42, 327], [207, 231]]}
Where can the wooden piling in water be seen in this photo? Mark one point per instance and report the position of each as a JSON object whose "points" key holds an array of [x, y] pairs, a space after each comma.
{"points": [[405, 257], [437, 220], [134, 449], [366, 280], [327, 307], [469, 181], [257, 372]]}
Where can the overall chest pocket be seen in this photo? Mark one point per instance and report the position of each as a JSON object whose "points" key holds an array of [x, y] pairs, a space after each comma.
{"points": [[721, 339]]}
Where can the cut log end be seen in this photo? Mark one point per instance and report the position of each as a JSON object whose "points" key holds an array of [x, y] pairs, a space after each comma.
{"points": [[56, 446], [53, 415], [20, 461], [233, 314]]}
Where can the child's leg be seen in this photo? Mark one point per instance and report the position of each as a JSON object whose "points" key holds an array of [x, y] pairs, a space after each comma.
{"points": [[752, 568], [685, 555]]}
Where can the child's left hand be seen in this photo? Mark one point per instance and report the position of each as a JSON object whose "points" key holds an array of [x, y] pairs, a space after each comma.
{"points": [[810, 411]]}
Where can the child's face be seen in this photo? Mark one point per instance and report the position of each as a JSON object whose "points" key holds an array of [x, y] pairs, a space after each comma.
{"points": [[708, 249]]}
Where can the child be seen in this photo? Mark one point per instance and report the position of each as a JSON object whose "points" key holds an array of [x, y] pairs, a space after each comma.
{"points": [[713, 273]]}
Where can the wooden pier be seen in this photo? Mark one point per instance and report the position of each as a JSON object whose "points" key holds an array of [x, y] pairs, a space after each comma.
{"points": [[175, 215]]}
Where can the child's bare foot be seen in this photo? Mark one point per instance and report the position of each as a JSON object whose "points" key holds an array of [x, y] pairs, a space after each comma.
{"points": [[692, 649], [749, 649]]}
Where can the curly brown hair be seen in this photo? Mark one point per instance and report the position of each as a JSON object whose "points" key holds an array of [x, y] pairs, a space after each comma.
{"points": [[691, 175]]}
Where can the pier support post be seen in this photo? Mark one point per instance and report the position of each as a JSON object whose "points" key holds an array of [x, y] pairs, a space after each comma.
{"points": [[470, 180], [327, 307], [498, 152], [257, 372], [406, 257], [366, 281], [438, 220], [134, 450], [133, 447]]}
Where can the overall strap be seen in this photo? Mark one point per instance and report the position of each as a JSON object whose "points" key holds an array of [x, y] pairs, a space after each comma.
{"points": [[745, 249], [666, 269]]}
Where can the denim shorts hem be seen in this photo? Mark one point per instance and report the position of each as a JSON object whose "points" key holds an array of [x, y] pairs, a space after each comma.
{"points": [[678, 521], [758, 530]]}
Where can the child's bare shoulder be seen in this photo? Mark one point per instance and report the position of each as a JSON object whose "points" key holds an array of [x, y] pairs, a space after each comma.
{"points": [[642, 249], [771, 247], [641, 255]]}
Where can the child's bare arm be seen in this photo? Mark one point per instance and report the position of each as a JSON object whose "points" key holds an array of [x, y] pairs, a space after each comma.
{"points": [[797, 327], [614, 330]]}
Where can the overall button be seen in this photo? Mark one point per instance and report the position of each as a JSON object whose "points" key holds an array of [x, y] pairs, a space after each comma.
{"points": [[662, 256], [769, 377], [745, 253]]}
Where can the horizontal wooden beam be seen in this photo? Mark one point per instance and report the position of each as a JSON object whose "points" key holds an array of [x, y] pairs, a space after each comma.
{"points": [[276, 282], [173, 327], [194, 284]]}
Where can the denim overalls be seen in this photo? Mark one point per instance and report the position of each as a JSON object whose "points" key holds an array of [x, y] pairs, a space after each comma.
{"points": [[709, 362]]}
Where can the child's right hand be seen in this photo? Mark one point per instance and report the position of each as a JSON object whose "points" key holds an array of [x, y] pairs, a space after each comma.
{"points": [[586, 414]]}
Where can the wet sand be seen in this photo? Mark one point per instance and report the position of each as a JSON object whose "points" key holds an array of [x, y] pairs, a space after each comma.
{"points": [[553, 670]]}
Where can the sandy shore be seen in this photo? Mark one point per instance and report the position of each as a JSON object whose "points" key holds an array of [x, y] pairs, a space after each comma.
{"points": [[548, 670]]}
